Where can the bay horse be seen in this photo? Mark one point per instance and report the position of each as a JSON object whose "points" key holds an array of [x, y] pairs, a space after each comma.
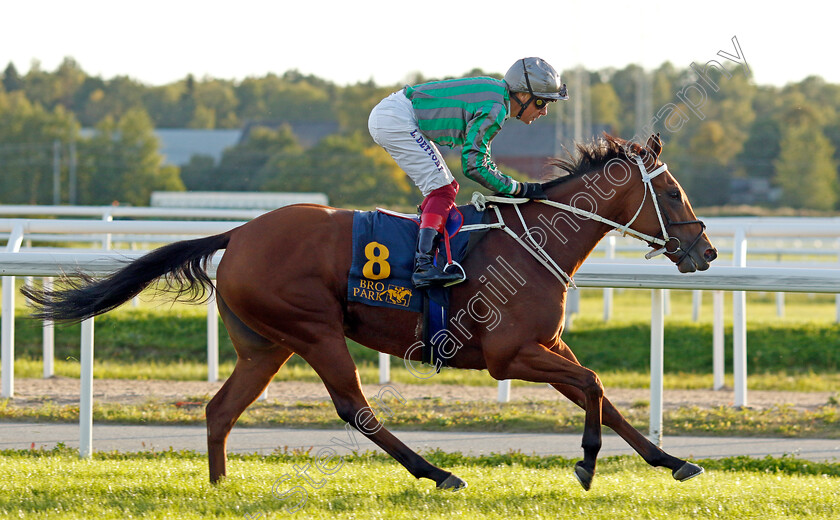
{"points": [[282, 290]]}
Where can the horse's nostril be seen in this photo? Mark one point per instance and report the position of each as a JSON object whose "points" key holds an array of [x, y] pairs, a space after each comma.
{"points": [[710, 254]]}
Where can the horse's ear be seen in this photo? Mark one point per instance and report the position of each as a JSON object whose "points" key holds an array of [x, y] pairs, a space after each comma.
{"points": [[654, 145]]}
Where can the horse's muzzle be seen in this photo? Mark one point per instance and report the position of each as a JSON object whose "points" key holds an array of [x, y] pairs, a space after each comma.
{"points": [[710, 254], [694, 260]]}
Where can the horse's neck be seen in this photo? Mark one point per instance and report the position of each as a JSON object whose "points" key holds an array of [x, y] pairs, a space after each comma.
{"points": [[571, 238]]}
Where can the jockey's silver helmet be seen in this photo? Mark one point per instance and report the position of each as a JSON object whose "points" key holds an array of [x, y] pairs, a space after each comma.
{"points": [[538, 78]]}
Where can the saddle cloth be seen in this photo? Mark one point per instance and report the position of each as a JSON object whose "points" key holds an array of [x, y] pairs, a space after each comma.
{"points": [[383, 256]]}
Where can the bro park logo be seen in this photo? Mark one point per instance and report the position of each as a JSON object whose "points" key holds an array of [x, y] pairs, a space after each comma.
{"points": [[376, 269]]}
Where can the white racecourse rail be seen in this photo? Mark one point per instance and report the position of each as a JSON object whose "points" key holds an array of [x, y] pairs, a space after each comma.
{"points": [[614, 275]]}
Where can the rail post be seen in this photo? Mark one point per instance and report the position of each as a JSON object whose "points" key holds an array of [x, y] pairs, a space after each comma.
{"points": [[384, 368], [86, 392], [696, 305], [739, 325], [48, 336], [7, 328], [212, 340], [718, 347], [608, 292], [657, 355], [504, 391]]}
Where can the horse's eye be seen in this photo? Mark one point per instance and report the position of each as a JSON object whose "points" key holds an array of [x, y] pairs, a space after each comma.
{"points": [[674, 194]]}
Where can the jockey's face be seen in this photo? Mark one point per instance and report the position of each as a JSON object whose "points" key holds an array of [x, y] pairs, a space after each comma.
{"points": [[532, 111]]}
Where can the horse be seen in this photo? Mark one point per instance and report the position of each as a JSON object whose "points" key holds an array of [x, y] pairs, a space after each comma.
{"points": [[281, 289]]}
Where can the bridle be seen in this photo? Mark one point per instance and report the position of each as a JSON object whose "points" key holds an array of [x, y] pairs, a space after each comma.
{"points": [[683, 251], [669, 245], [661, 239]]}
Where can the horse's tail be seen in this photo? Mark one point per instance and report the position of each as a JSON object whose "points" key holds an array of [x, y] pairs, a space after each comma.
{"points": [[183, 265]]}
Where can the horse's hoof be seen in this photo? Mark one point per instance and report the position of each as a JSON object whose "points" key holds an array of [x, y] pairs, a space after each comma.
{"points": [[452, 483], [584, 476], [687, 471]]}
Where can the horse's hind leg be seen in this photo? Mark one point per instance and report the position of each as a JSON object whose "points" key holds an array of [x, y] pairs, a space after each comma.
{"points": [[652, 454], [332, 361], [258, 360]]}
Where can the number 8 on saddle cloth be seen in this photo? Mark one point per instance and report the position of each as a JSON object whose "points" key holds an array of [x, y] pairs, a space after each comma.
{"points": [[383, 260]]}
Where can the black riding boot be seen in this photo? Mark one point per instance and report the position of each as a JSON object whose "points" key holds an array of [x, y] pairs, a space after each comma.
{"points": [[425, 272]]}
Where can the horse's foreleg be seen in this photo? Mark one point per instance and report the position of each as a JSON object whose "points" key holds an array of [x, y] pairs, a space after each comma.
{"points": [[652, 454], [612, 418], [249, 378], [533, 362], [338, 371]]}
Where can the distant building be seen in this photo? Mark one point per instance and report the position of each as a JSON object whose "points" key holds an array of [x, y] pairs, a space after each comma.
{"points": [[529, 148], [753, 190], [308, 133], [526, 148], [178, 145]]}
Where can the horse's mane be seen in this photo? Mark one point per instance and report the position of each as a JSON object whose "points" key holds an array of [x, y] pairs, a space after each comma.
{"points": [[591, 156]]}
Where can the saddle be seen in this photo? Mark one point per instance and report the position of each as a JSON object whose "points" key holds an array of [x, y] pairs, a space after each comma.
{"points": [[383, 261]]}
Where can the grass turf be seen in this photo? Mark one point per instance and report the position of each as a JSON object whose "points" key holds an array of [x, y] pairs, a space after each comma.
{"points": [[58, 484]]}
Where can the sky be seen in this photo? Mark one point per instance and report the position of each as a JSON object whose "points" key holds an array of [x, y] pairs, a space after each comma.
{"points": [[158, 42]]}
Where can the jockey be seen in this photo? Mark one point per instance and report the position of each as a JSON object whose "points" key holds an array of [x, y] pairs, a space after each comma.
{"points": [[410, 125]]}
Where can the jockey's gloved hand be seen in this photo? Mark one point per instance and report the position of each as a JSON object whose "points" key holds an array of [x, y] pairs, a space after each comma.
{"points": [[531, 190]]}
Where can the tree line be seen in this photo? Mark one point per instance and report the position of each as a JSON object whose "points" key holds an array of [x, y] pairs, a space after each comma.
{"points": [[788, 137]]}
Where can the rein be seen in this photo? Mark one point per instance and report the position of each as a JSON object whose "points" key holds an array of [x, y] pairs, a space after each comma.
{"points": [[480, 202]]}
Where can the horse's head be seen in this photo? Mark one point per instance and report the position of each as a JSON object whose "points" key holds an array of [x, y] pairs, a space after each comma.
{"points": [[662, 214]]}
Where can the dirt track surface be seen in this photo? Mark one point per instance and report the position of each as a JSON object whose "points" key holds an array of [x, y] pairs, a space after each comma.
{"points": [[63, 390]]}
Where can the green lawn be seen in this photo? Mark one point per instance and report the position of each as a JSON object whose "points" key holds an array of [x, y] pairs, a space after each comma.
{"points": [[162, 340], [58, 484]]}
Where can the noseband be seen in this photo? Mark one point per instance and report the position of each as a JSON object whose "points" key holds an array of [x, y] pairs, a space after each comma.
{"points": [[678, 249]]}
